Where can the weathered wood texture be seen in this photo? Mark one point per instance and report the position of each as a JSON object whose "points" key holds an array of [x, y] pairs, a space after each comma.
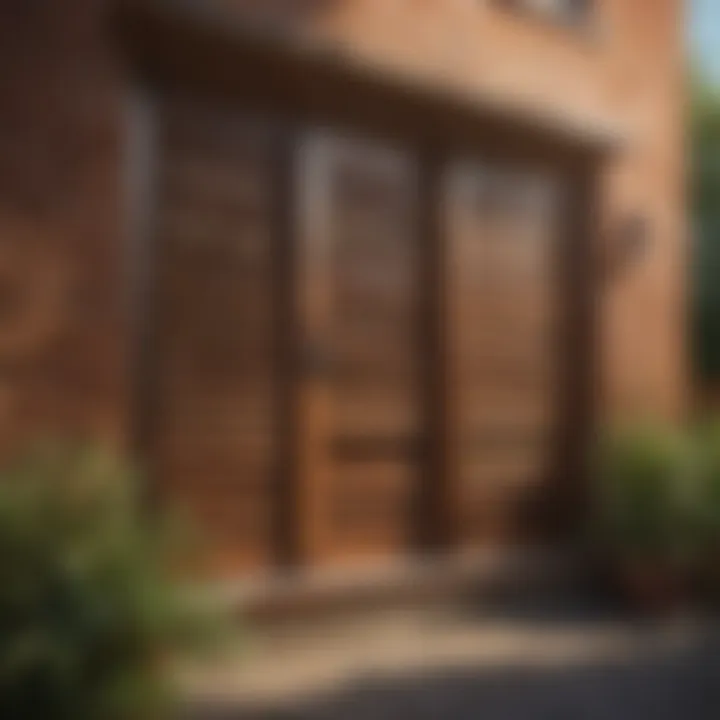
{"points": [[214, 432], [362, 374], [364, 354], [503, 230]]}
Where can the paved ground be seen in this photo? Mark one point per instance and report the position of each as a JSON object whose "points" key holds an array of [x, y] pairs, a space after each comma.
{"points": [[461, 666]]}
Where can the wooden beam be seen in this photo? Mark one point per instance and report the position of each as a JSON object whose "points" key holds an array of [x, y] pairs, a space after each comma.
{"points": [[440, 494]]}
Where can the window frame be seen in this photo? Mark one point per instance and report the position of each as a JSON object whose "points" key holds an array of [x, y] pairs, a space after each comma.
{"points": [[580, 20]]}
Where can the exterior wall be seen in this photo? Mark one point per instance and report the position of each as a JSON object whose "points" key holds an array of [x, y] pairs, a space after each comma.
{"points": [[61, 175], [644, 308], [624, 74], [60, 224]]}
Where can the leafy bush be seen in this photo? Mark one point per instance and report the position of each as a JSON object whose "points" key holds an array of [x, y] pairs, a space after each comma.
{"points": [[705, 214], [88, 613], [707, 436], [649, 494]]}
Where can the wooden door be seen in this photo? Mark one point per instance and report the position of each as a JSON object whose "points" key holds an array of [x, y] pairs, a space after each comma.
{"points": [[503, 231], [362, 421], [214, 360], [297, 310]]}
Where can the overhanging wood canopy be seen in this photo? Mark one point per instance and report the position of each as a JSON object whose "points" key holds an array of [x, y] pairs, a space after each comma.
{"points": [[190, 45]]}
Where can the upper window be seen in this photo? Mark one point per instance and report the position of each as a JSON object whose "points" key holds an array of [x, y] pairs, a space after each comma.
{"points": [[568, 12]]}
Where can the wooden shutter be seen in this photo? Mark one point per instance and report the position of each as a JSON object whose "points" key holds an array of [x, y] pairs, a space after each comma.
{"points": [[215, 360]]}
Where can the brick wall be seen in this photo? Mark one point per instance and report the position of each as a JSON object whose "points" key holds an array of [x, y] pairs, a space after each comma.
{"points": [[59, 223]]}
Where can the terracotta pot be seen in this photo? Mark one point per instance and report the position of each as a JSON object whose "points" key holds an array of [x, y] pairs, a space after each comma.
{"points": [[707, 579], [652, 587]]}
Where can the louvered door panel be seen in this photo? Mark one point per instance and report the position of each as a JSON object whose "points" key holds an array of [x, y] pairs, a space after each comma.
{"points": [[503, 233], [215, 364], [369, 335]]}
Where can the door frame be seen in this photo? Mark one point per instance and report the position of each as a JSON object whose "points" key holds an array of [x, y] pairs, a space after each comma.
{"points": [[435, 129]]}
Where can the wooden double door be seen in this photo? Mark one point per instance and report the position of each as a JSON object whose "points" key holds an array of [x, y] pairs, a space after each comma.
{"points": [[317, 391]]}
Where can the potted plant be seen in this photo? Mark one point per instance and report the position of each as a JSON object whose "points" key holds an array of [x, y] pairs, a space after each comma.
{"points": [[646, 508], [707, 438]]}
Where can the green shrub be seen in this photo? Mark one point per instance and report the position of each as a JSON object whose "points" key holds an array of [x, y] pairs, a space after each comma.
{"points": [[88, 612], [707, 437], [649, 493]]}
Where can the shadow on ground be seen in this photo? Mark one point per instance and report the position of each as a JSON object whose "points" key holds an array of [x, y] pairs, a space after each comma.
{"points": [[650, 683]]}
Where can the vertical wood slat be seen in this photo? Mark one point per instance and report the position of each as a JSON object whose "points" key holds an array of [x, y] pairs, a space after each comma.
{"points": [[141, 170], [286, 517], [579, 276], [440, 499], [313, 300]]}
